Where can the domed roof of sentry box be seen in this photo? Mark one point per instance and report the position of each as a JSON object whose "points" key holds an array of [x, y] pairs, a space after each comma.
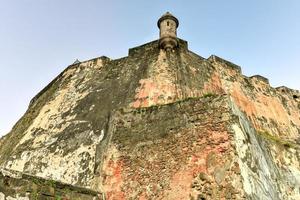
{"points": [[167, 15]]}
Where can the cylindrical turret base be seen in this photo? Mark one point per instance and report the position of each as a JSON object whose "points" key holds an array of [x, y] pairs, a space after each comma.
{"points": [[168, 42]]}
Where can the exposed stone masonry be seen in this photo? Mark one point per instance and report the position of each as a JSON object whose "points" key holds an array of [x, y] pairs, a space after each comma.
{"points": [[157, 124]]}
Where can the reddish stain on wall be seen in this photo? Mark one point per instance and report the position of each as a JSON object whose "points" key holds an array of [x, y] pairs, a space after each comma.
{"points": [[113, 180]]}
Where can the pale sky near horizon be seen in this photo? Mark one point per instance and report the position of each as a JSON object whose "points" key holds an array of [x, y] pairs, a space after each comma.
{"points": [[39, 38]]}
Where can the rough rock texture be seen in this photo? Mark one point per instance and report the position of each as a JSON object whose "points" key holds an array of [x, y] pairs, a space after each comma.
{"points": [[156, 125], [24, 187]]}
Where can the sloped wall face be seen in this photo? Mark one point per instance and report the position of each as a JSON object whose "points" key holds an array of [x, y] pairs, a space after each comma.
{"points": [[202, 148], [276, 111], [55, 143], [275, 117], [149, 126], [270, 168], [183, 150], [176, 75], [58, 136], [268, 143]]}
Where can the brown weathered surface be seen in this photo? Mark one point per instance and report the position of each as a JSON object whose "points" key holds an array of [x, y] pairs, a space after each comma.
{"points": [[177, 151], [274, 110], [160, 125]]}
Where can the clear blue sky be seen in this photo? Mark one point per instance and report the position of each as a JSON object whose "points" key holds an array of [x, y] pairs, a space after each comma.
{"points": [[38, 39]]}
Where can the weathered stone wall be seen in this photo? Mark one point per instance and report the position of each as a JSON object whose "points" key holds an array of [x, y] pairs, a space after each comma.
{"points": [[178, 151], [57, 138], [157, 124], [274, 110], [269, 165], [196, 148]]}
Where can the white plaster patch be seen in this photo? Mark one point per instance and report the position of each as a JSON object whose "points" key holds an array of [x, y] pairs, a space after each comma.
{"points": [[44, 131], [2, 196], [262, 178], [101, 136], [65, 168], [65, 100], [13, 174], [92, 107], [18, 164]]}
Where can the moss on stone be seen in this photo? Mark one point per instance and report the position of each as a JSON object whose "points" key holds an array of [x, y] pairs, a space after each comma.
{"points": [[159, 106], [275, 139], [209, 94], [39, 188]]}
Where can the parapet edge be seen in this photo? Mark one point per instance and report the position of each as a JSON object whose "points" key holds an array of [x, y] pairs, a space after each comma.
{"points": [[289, 91], [214, 58], [260, 78], [74, 65], [182, 44]]}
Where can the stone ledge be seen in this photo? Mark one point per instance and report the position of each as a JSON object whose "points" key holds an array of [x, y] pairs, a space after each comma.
{"points": [[214, 58], [182, 44], [295, 94], [286, 89], [16, 184], [105, 59], [260, 78]]}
